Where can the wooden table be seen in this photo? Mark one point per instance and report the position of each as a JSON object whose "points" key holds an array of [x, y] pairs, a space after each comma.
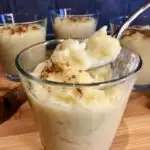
{"points": [[19, 132]]}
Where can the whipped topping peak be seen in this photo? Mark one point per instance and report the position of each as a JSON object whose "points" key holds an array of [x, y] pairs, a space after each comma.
{"points": [[98, 49], [71, 51], [71, 58], [102, 46], [68, 64]]}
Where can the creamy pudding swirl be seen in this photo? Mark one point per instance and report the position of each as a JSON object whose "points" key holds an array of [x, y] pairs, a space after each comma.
{"points": [[68, 64], [97, 50]]}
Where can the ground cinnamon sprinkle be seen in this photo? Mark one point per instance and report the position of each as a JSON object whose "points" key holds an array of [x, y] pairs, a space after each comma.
{"points": [[25, 27], [69, 78], [76, 19], [79, 91], [35, 27], [131, 31], [79, 19], [73, 76], [51, 68], [44, 75], [19, 28], [57, 68], [12, 31], [81, 71]]}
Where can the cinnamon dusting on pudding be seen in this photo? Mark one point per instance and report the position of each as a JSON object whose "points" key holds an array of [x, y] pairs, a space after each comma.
{"points": [[34, 27], [63, 71], [14, 38], [75, 27], [51, 68], [12, 32], [19, 28], [137, 29], [81, 71], [137, 38], [73, 76], [76, 19], [79, 91]]}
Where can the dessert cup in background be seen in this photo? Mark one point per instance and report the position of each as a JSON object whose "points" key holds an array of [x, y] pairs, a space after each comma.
{"points": [[67, 123], [68, 23], [18, 31], [137, 38]]}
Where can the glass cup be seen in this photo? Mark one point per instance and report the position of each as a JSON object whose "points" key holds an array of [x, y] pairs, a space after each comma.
{"points": [[137, 38], [69, 123], [18, 31], [68, 23]]}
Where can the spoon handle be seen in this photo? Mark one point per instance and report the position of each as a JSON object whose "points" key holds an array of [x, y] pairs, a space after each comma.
{"points": [[144, 7]]}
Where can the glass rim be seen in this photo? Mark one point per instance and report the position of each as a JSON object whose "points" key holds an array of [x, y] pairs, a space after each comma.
{"points": [[126, 17], [96, 12], [25, 22], [105, 83]]}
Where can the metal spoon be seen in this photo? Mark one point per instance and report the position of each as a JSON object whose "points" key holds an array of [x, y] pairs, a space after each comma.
{"points": [[144, 7], [120, 31]]}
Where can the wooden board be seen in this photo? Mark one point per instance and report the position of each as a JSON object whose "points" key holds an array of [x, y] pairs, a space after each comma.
{"points": [[12, 96], [19, 132]]}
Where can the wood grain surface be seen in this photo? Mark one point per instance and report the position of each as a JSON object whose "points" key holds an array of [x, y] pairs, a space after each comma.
{"points": [[12, 96], [19, 132]]}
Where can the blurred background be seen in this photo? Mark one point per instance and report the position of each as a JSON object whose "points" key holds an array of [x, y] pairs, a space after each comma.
{"points": [[108, 8]]}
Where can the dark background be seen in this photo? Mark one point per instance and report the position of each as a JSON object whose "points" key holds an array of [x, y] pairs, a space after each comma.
{"points": [[108, 8]]}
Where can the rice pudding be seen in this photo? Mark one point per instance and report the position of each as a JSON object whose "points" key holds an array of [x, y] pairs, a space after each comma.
{"points": [[78, 118], [14, 38], [137, 38], [74, 27]]}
